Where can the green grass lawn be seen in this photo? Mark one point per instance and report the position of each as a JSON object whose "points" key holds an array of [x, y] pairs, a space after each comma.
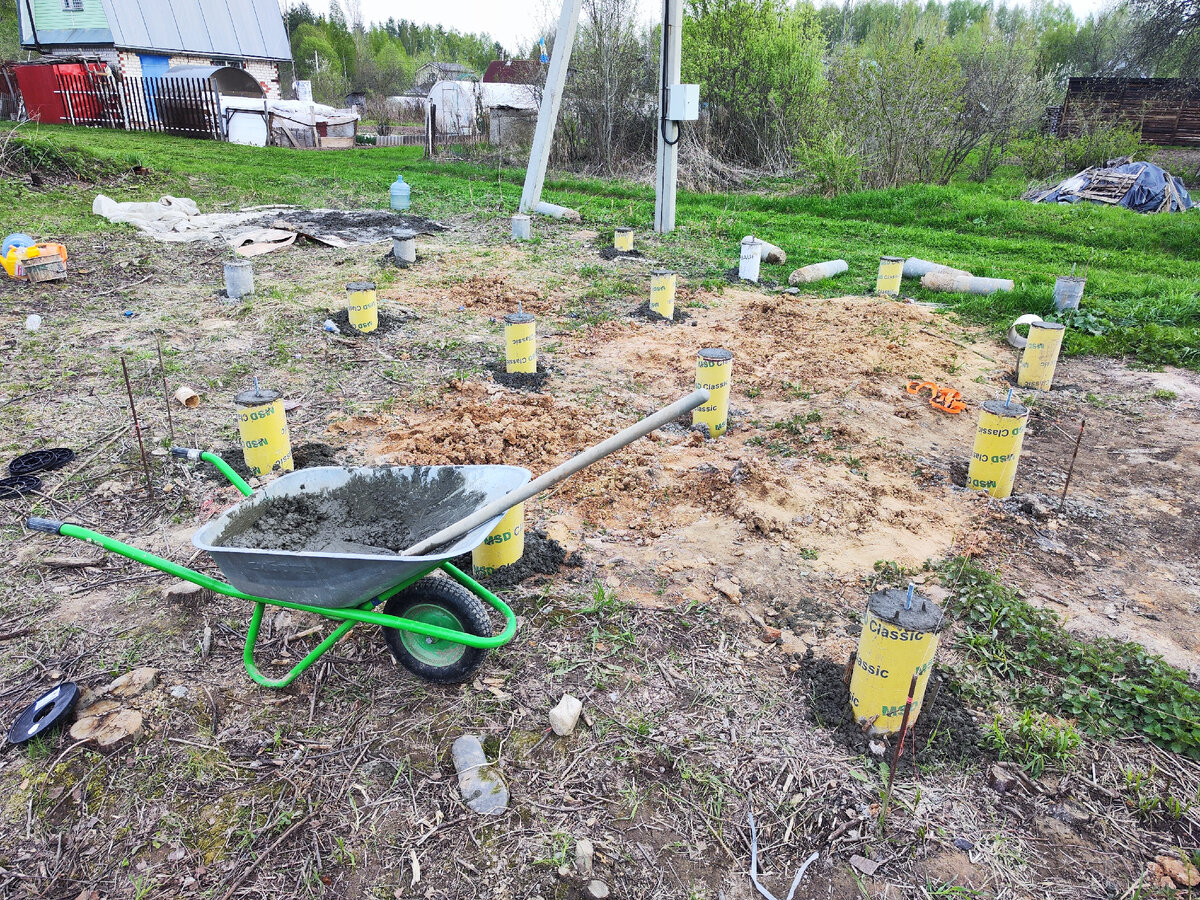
{"points": [[1143, 271]]}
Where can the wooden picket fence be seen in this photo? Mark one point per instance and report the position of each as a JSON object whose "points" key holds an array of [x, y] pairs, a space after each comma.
{"points": [[181, 106]]}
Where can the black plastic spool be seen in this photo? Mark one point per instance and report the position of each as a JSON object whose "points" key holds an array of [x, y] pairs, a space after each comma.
{"points": [[44, 713], [11, 488], [41, 461]]}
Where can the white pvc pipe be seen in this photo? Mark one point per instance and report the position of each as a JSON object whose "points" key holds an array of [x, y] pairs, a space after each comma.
{"points": [[818, 272], [769, 252], [750, 260], [554, 211], [521, 228], [561, 473], [938, 280], [404, 246], [239, 280], [918, 268]]}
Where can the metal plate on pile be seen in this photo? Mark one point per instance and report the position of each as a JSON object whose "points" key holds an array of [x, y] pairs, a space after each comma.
{"points": [[339, 580]]}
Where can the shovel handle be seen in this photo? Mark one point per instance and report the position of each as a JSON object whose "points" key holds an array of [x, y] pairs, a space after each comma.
{"points": [[566, 470]]}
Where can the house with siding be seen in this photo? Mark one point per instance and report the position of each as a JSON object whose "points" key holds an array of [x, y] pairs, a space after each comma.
{"points": [[149, 37]]}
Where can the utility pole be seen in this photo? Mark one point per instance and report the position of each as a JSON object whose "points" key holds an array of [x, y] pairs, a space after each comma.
{"points": [[666, 170], [556, 79]]}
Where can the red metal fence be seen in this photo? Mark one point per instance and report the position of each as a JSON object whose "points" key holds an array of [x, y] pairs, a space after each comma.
{"points": [[182, 106]]}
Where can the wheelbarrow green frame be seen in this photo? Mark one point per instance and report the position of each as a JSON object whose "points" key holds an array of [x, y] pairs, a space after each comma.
{"points": [[347, 617]]}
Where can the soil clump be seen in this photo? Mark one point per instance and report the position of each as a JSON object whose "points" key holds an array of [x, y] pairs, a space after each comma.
{"points": [[946, 731], [387, 323], [543, 556], [612, 253], [308, 455], [644, 311], [367, 514], [522, 381]]}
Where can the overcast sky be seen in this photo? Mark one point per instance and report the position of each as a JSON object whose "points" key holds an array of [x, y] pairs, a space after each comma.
{"points": [[515, 23]]}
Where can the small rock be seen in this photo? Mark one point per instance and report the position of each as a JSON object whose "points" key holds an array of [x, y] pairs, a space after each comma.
{"points": [[728, 588], [1070, 814], [877, 749], [179, 692], [1001, 780], [585, 855], [1183, 874], [565, 716], [33, 322], [597, 889], [107, 725], [770, 635], [864, 865], [963, 844]]}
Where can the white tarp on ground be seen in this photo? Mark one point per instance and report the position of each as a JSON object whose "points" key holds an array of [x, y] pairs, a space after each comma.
{"points": [[246, 118], [258, 229]]}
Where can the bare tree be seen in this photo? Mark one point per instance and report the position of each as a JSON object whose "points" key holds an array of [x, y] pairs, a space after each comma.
{"points": [[1166, 36]]}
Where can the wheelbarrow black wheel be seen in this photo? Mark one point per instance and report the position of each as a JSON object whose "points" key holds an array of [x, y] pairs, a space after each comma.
{"points": [[437, 601]]}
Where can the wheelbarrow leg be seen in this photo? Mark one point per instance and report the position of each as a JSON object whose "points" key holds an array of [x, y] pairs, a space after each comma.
{"points": [[252, 638]]}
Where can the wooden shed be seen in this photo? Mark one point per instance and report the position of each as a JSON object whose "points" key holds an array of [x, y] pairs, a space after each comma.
{"points": [[1166, 109]]}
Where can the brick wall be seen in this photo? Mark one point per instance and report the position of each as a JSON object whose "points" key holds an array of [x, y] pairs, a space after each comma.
{"points": [[266, 74]]}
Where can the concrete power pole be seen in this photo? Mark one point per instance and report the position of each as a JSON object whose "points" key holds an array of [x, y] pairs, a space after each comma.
{"points": [[668, 131], [556, 79]]}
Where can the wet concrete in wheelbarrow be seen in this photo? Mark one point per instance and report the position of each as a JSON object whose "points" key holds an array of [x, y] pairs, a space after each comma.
{"points": [[370, 515]]}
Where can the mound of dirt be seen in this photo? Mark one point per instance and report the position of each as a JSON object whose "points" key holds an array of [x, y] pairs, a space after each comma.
{"points": [[543, 556], [946, 732], [496, 295], [644, 311], [308, 455], [613, 253], [533, 382], [387, 323], [364, 515]]}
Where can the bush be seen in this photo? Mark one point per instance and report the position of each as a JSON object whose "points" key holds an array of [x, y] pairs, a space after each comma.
{"points": [[1100, 141]]}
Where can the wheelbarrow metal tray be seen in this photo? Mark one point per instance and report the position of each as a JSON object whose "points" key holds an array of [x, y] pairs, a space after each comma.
{"points": [[339, 580]]}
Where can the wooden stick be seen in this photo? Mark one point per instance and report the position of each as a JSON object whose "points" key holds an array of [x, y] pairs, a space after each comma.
{"points": [[138, 430], [1071, 468], [162, 370]]}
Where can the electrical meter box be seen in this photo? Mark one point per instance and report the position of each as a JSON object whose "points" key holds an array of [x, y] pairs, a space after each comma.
{"points": [[683, 102]]}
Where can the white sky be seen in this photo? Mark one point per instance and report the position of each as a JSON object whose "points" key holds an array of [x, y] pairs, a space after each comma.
{"points": [[515, 23]]}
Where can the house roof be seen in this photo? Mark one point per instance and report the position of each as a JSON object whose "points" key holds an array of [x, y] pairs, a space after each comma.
{"points": [[513, 71], [234, 28]]}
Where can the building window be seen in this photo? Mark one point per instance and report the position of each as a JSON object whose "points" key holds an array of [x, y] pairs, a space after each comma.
{"points": [[232, 63], [72, 5]]}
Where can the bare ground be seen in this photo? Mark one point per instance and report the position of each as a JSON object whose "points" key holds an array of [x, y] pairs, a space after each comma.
{"points": [[342, 783]]}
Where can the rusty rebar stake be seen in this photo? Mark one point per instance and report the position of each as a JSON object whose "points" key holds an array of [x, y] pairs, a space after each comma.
{"points": [[887, 800], [162, 370], [1071, 468], [138, 429]]}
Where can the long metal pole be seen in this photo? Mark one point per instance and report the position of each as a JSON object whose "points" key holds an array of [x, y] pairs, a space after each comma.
{"points": [[1071, 469], [667, 168], [567, 469], [162, 370], [556, 79], [137, 430]]}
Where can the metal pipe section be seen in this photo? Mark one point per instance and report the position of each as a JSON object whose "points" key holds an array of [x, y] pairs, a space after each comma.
{"points": [[561, 473]]}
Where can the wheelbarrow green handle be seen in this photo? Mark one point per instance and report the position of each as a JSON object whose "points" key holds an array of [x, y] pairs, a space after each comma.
{"points": [[190, 453]]}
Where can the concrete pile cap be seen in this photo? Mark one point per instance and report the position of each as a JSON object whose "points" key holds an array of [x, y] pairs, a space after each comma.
{"points": [[662, 272], [898, 259], [1053, 326], [715, 354], [404, 234], [997, 408], [622, 230], [356, 286], [924, 616], [518, 318], [256, 397]]}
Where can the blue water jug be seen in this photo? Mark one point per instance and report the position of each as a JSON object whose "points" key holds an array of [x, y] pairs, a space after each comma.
{"points": [[400, 193]]}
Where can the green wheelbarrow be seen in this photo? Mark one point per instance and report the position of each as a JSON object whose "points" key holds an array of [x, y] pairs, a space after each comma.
{"points": [[437, 627]]}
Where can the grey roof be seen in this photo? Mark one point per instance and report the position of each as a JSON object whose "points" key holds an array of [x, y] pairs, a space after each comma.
{"points": [[235, 28]]}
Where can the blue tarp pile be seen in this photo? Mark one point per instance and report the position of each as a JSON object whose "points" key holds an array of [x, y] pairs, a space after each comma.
{"points": [[1140, 186]]}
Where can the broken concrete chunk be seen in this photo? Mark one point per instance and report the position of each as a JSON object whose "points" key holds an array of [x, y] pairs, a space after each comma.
{"points": [[597, 889], [864, 865], [565, 716], [728, 588]]}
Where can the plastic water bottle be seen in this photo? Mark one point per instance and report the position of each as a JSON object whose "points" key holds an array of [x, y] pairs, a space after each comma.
{"points": [[480, 783], [401, 193]]}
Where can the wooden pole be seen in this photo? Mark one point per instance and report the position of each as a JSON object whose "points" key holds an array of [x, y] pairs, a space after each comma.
{"points": [[556, 80]]}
